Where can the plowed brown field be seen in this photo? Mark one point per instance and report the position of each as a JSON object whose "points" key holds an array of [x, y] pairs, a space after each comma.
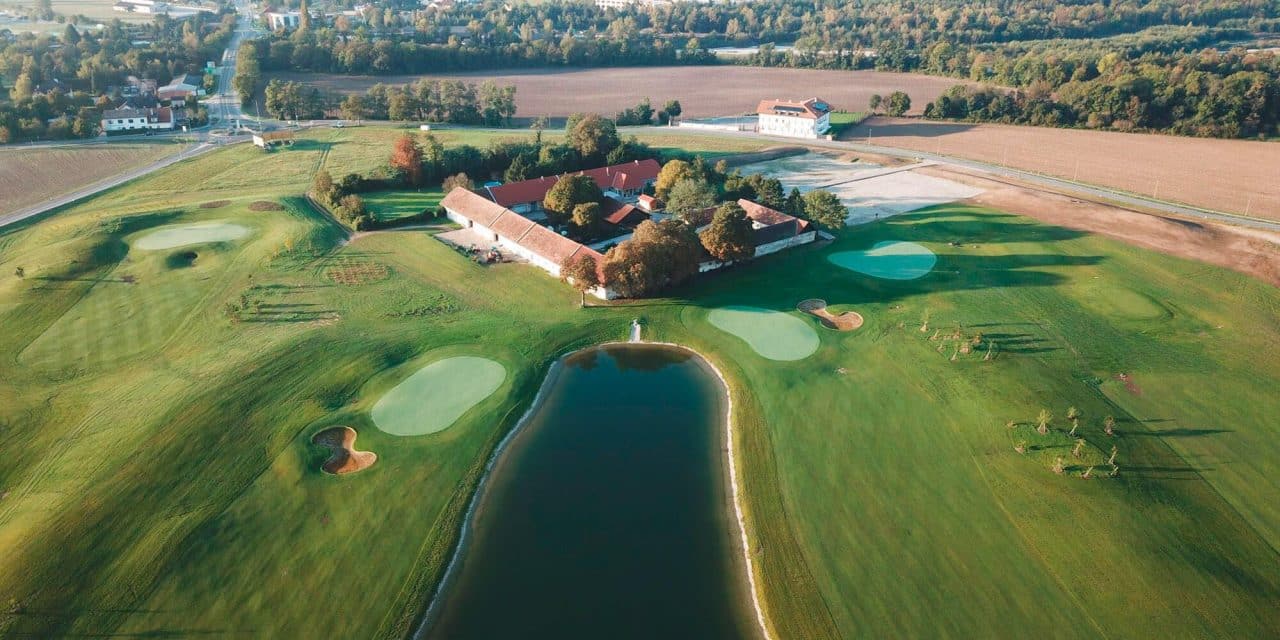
{"points": [[31, 175], [702, 91], [1236, 176]]}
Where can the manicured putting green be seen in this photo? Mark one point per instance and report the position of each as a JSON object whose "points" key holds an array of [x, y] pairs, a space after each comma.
{"points": [[772, 334], [435, 396], [181, 235], [891, 260]]}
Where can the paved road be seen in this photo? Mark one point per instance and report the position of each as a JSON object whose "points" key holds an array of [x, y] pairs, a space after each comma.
{"points": [[1086, 191]]}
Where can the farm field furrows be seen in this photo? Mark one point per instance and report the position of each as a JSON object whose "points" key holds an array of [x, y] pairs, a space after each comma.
{"points": [[29, 176], [1235, 176], [702, 91]]}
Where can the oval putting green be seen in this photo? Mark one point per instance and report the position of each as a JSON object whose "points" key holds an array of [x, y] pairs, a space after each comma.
{"points": [[891, 260], [435, 396], [772, 334], [181, 235]]}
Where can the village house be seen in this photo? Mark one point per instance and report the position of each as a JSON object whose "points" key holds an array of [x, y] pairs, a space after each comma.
{"points": [[622, 182], [136, 120], [517, 234], [183, 87], [278, 20], [808, 119]]}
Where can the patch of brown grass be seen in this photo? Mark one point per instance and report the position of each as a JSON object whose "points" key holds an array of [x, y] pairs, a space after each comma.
{"points": [[1236, 176], [343, 457], [265, 205], [215, 204]]}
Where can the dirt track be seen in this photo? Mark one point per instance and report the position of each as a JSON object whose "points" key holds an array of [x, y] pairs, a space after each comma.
{"points": [[1235, 176], [702, 91], [1249, 251]]}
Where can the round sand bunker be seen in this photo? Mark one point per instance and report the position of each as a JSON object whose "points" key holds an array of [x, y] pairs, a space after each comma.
{"points": [[891, 260], [343, 457], [847, 321], [435, 396], [181, 235], [772, 334]]}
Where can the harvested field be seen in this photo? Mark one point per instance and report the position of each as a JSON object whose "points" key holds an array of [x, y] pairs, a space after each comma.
{"points": [[702, 91], [264, 205], [32, 175], [1248, 251], [343, 457], [1236, 176], [351, 271], [847, 321]]}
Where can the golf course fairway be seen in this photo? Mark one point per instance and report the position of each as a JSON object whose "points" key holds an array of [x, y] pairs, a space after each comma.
{"points": [[891, 260], [437, 395], [183, 235], [772, 334]]}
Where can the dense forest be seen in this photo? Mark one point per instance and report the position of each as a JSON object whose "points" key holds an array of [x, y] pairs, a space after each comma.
{"points": [[1163, 66], [55, 87]]}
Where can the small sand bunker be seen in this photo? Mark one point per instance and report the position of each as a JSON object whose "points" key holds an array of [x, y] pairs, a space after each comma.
{"points": [[265, 205], [891, 260], [772, 334], [343, 457], [847, 321], [215, 204], [181, 235], [435, 396]]}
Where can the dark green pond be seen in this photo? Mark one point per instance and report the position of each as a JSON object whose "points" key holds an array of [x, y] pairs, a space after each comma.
{"points": [[608, 515]]}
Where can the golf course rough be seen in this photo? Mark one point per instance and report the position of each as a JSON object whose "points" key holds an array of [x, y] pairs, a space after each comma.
{"points": [[772, 334], [890, 260], [182, 235], [435, 396]]}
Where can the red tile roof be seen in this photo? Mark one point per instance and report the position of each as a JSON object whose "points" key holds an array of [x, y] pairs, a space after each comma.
{"points": [[622, 177], [548, 244], [769, 217], [617, 211], [472, 206], [811, 109]]}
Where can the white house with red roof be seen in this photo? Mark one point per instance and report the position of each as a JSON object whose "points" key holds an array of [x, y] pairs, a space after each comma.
{"points": [[622, 182], [517, 234], [794, 119]]}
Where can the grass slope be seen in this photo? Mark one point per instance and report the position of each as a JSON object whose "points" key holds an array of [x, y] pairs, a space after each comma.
{"points": [[159, 479]]}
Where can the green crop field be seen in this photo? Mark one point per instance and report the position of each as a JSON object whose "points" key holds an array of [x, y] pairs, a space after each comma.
{"points": [[157, 409]]}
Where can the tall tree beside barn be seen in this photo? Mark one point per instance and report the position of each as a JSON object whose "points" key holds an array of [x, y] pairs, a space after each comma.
{"points": [[824, 208], [567, 193], [407, 159], [728, 238], [583, 273]]}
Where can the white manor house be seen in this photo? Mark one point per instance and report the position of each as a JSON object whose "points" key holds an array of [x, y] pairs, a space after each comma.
{"points": [[808, 119]]}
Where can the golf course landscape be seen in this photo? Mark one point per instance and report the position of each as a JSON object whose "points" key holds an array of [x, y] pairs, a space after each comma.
{"points": [[1031, 432]]}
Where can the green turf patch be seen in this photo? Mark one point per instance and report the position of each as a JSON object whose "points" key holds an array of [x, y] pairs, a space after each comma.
{"points": [[387, 206], [183, 235], [772, 334], [891, 260], [436, 395]]}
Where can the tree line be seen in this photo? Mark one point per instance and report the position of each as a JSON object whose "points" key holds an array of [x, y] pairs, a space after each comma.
{"points": [[452, 101], [56, 86]]}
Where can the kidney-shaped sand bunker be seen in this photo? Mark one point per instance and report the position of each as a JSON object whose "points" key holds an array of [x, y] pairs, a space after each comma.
{"points": [[435, 396], [772, 334], [891, 260]]}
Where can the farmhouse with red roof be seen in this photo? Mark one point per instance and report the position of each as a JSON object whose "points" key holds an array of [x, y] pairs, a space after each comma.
{"points": [[623, 182], [794, 119]]}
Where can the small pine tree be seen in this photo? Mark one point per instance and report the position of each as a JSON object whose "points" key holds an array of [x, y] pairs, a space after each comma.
{"points": [[1075, 452], [1042, 422], [1109, 425], [1058, 468], [1088, 473], [1112, 460]]}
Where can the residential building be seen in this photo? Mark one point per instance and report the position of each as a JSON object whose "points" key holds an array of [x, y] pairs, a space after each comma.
{"points": [[807, 119], [623, 182], [278, 20], [137, 120], [184, 86]]}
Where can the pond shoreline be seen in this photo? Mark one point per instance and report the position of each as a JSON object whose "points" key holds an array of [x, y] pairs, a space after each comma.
{"points": [[552, 376]]}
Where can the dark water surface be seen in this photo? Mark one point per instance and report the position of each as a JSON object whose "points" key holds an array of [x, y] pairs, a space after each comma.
{"points": [[608, 516]]}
